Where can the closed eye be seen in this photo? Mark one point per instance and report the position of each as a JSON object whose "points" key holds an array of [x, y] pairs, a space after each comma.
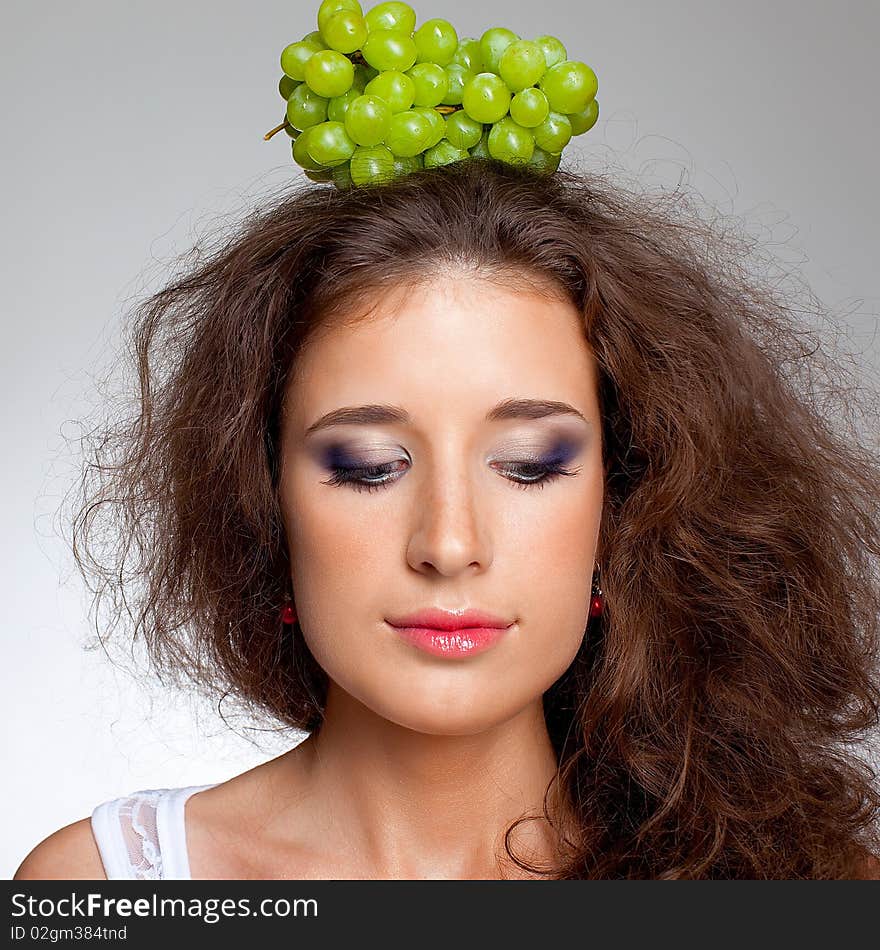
{"points": [[375, 477]]}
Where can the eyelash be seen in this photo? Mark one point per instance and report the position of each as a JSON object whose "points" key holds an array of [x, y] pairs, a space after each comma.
{"points": [[354, 476]]}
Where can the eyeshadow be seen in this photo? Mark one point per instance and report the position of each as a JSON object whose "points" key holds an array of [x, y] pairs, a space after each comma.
{"points": [[337, 456], [561, 453]]}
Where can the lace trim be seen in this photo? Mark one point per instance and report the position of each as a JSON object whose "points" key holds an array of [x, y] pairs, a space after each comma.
{"points": [[137, 820]]}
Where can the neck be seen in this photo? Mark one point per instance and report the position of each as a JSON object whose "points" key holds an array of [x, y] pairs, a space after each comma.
{"points": [[408, 804]]}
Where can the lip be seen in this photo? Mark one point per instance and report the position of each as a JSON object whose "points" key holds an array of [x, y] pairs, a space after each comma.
{"points": [[438, 619], [451, 633]]}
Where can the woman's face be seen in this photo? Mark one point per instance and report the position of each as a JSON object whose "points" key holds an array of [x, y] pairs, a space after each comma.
{"points": [[449, 520]]}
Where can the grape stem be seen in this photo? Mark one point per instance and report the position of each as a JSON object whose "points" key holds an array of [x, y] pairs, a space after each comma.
{"points": [[271, 132]]}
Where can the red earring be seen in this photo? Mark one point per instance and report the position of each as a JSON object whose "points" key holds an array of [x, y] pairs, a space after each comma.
{"points": [[288, 614], [596, 603]]}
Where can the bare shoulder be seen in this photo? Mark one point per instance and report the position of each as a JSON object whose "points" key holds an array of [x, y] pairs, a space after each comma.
{"points": [[69, 854]]}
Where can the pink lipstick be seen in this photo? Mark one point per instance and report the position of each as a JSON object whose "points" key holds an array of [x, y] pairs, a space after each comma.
{"points": [[446, 633]]}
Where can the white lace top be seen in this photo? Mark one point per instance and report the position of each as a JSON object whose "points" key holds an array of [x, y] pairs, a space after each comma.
{"points": [[143, 836]]}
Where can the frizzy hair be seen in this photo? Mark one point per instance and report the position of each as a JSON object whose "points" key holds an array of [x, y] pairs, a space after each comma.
{"points": [[707, 727]]}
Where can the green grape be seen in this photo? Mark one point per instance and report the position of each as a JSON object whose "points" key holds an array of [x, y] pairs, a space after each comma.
{"points": [[319, 174], [492, 44], [468, 55], [345, 31], [305, 108], [286, 85], [529, 107], [314, 39], [368, 120], [545, 162], [569, 86], [294, 58], [554, 51], [522, 64], [329, 8], [371, 164], [408, 134], [405, 166], [300, 152], [486, 97], [443, 153], [329, 73], [553, 134], [458, 78], [521, 101], [391, 16], [431, 83], [463, 131], [583, 121], [511, 142], [435, 120], [342, 176], [389, 49], [481, 149], [337, 107], [395, 87], [330, 144], [436, 42]]}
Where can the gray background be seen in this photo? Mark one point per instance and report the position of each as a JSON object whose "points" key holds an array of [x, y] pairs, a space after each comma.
{"points": [[129, 128]]}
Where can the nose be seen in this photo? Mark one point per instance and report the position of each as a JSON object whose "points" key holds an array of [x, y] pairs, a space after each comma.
{"points": [[449, 533]]}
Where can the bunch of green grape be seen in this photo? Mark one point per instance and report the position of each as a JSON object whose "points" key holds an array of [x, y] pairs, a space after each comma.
{"points": [[370, 97]]}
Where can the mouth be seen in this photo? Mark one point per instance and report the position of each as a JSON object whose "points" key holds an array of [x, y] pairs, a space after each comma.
{"points": [[451, 644], [449, 621]]}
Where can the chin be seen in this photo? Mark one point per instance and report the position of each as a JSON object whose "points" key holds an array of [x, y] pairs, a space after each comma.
{"points": [[441, 720]]}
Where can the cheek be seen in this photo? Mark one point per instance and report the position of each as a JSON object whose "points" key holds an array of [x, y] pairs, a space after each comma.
{"points": [[336, 555], [552, 555], [559, 531], [327, 530]]}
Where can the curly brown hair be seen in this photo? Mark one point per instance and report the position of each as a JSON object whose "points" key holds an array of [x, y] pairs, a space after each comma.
{"points": [[709, 726]]}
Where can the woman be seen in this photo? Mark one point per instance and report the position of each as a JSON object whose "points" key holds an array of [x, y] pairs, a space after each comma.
{"points": [[538, 398]]}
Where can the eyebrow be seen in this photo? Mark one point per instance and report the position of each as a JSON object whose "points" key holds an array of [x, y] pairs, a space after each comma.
{"points": [[506, 409]]}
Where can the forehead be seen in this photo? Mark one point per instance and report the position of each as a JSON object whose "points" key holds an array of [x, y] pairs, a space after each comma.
{"points": [[453, 345]]}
